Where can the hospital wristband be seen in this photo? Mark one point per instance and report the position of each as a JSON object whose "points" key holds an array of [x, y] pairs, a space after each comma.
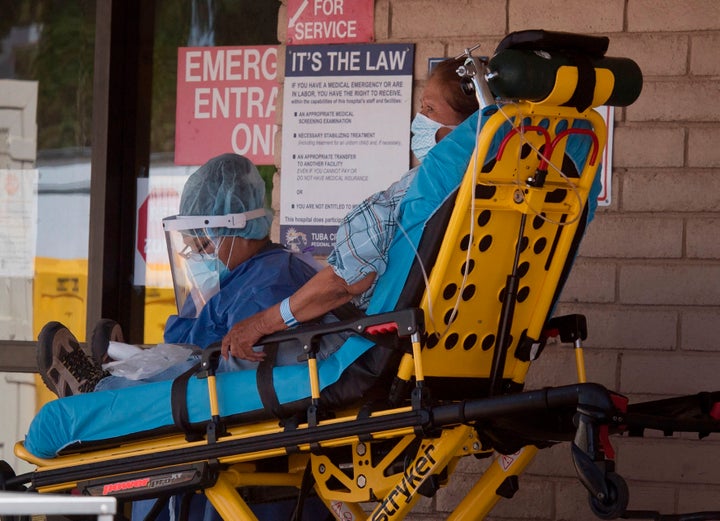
{"points": [[286, 314]]}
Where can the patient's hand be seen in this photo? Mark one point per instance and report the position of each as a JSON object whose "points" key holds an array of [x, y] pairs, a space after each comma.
{"points": [[321, 294], [241, 338]]}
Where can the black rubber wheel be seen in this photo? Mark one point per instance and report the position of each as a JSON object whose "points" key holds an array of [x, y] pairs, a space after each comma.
{"points": [[616, 503], [6, 472]]}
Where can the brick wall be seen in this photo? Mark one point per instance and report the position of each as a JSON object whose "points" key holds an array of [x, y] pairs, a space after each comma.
{"points": [[648, 273]]}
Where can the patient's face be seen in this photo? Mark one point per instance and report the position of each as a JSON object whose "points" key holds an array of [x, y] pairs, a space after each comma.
{"points": [[434, 106]]}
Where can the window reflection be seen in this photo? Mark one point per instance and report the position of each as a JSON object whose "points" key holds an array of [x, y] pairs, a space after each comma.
{"points": [[48, 46], [46, 69], [46, 78]]}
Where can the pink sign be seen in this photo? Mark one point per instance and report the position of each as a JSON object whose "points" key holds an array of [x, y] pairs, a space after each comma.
{"points": [[226, 99], [313, 22]]}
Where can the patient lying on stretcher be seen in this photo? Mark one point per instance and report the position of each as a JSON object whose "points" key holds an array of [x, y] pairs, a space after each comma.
{"points": [[107, 416], [110, 416], [100, 418], [234, 285]]}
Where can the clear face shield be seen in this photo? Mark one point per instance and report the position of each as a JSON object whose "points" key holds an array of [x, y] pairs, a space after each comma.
{"points": [[193, 245]]}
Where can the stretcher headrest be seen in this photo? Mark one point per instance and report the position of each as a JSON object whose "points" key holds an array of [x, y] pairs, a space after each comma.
{"points": [[562, 69]]}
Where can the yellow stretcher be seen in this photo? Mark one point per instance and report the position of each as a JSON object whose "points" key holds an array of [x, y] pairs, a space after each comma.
{"points": [[496, 256]]}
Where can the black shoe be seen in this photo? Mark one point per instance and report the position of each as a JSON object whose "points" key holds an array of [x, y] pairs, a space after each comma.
{"points": [[63, 365], [105, 331]]}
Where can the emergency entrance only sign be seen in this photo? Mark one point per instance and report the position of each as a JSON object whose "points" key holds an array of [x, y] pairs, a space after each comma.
{"points": [[226, 102]]}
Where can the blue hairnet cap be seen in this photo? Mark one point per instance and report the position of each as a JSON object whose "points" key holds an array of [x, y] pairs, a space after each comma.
{"points": [[227, 184]]}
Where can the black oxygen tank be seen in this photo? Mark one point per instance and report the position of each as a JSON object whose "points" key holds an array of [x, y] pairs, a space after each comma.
{"points": [[531, 75]]}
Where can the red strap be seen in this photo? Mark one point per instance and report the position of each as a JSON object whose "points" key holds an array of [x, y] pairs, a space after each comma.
{"points": [[605, 442]]}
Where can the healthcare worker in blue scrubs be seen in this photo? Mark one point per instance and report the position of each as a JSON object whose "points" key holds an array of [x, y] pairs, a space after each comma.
{"points": [[224, 266], [225, 269]]}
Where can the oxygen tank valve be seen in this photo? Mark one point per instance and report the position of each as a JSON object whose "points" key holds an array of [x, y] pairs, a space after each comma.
{"points": [[474, 74]]}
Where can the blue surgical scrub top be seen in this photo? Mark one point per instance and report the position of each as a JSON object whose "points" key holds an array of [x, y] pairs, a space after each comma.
{"points": [[257, 284]]}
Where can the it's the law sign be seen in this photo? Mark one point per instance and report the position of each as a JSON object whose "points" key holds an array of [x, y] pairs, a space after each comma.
{"points": [[226, 102], [313, 22]]}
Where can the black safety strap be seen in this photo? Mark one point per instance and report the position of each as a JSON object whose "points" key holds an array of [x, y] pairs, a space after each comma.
{"points": [[585, 89], [185, 505], [264, 375], [265, 381], [178, 403], [308, 481]]}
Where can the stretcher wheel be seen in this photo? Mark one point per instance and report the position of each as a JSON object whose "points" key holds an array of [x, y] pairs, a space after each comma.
{"points": [[616, 503], [6, 472]]}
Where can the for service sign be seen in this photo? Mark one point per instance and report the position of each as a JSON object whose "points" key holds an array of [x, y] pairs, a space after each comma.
{"points": [[313, 22], [226, 102]]}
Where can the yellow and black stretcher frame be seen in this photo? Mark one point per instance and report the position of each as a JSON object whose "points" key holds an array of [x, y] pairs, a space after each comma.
{"points": [[465, 350]]}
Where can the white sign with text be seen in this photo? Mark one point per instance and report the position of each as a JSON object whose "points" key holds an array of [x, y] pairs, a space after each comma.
{"points": [[346, 134]]}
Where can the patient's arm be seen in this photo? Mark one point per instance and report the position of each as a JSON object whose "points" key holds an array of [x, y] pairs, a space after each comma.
{"points": [[320, 295]]}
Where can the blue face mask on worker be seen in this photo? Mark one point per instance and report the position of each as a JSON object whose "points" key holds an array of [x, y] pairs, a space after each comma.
{"points": [[424, 131], [207, 269], [205, 275], [206, 272], [200, 256]]}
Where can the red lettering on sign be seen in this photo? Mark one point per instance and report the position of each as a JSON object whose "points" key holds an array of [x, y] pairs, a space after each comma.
{"points": [[330, 21], [226, 102]]}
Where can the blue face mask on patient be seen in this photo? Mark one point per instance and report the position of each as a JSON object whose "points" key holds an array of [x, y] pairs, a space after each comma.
{"points": [[423, 131]]}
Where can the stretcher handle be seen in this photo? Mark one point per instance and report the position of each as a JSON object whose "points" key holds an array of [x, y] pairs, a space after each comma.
{"points": [[523, 129], [403, 323], [584, 131]]}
